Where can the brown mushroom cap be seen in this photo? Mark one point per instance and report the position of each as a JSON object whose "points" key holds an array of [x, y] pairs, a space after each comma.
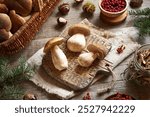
{"points": [[79, 28], [100, 50], [52, 42], [5, 22], [17, 21], [4, 35], [22, 7], [3, 8]]}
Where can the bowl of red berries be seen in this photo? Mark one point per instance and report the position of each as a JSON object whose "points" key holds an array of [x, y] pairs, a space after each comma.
{"points": [[113, 8], [120, 96]]}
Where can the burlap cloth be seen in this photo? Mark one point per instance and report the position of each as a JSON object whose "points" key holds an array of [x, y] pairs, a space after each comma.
{"points": [[123, 36]]}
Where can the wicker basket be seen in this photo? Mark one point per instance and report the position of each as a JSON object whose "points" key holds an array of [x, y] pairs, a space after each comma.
{"points": [[27, 32]]}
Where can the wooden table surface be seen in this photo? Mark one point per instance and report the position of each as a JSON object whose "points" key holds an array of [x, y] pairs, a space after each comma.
{"points": [[51, 29]]}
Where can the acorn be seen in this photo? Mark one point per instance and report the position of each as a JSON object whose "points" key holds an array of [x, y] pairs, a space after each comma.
{"points": [[64, 8], [89, 8]]}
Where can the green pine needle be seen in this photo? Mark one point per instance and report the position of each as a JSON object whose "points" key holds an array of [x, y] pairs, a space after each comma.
{"points": [[11, 77], [145, 11], [142, 20], [143, 24]]}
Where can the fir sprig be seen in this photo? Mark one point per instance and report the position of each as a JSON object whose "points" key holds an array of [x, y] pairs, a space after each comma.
{"points": [[11, 77], [145, 11], [142, 20], [143, 24]]}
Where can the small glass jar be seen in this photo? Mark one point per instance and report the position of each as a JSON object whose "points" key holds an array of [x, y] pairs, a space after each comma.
{"points": [[139, 68]]}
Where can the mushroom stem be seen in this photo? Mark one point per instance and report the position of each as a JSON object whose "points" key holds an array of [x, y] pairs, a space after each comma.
{"points": [[59, 58], [86, 59]]}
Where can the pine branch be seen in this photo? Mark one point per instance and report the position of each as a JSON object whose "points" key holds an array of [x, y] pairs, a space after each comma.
{"points": [[11, 92], [10, 78], [145, 12], [142, 21], [143, 24]]}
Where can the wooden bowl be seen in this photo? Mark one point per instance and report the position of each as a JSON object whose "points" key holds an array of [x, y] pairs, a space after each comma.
{"points": [[112, 14]]}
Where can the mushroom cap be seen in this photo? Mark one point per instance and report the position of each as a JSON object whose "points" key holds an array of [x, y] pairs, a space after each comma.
{"points": [[79, 28], [17, 21], [4, 35], [22, 7], [52, 42], [5, 22], [3, 8], [100, 50]]}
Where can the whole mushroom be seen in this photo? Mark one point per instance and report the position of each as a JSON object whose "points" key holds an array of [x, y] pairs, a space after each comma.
{"points": [[3, 8], [4, 35], [22, 7], [29, 96], [5, 26], [5, 22], [17, 21], [95, 51], [77, 41], [59, 59]]}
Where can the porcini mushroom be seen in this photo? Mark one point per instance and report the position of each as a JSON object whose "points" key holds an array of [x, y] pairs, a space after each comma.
{"points": [[4, 35], [95, 51], [5, 22], [3, 8], [77, 42], [22, 7], [17, 21], [29, 96], [59, 59]]}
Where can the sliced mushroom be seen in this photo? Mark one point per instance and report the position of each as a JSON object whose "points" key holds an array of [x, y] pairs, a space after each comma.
{"points": [[5, 22], [17, 21], [77, 42], [59, 59], [95, 51]]}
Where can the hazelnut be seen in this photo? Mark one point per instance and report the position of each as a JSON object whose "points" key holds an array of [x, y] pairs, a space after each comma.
{"points": [[29, 96], [61, 21], [64, 8]]}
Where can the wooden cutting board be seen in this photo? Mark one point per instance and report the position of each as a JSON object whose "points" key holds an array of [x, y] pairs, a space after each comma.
{"points": [[77, 77]]}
